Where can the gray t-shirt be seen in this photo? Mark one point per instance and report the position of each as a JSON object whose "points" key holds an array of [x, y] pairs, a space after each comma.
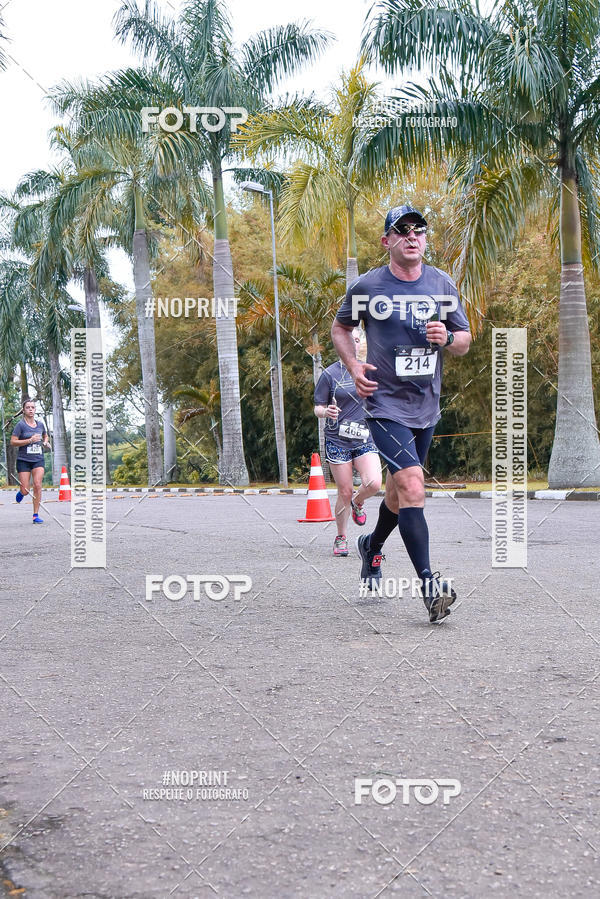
{"points": [[336, 386], [395, 314], [29, 452]]}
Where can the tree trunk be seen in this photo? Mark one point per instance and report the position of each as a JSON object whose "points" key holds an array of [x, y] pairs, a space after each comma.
{"points": [[279, 426], [232, 468], [92, 306], [59, 437], [351, 260], [351, 270], [145, 323], [170, 473], [11, 465], [24, 386], [575, 459]]}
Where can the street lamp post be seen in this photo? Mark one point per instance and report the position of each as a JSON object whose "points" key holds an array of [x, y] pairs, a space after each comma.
{"points": [[255, 187]]}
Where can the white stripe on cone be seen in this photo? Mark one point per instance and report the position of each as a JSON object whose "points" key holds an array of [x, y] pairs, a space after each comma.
{"points": [[317, 494], [315, 471]]}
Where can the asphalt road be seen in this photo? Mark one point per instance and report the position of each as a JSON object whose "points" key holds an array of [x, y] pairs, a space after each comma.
{"points": [[289, 693]]}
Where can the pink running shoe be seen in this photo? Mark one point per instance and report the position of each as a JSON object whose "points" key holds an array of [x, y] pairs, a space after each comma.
{"points": [[359, 516], [340, 545]]}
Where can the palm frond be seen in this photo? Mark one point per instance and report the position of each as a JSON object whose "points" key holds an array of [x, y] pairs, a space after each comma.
{"points": [[488, 215], [280, 51]]}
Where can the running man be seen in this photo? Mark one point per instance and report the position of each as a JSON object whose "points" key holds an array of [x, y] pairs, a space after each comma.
{"points": [[30, 436], [347, 442], [410, 312]]}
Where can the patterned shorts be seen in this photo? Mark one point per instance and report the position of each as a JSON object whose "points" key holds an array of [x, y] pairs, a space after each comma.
{"points": [[338, 454]]}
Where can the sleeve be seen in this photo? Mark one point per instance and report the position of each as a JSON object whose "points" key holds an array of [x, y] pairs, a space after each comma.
{"points": [[44, 427], [322, 390], [17, 431], [345, 313]]}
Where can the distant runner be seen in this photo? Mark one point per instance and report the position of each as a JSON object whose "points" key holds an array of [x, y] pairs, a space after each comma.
{"points": [[347, 442], [410, 311], [30, 436]]}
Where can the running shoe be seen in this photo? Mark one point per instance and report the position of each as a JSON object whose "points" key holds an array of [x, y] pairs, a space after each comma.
{"points": [[359, 516], [37, 519], [438, 596], [340, 546], [370, 571], [20, 496]]}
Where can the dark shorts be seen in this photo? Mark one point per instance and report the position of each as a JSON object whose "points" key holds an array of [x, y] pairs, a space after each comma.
{"points": [[338, 454], [400, 445], [26, 465]]}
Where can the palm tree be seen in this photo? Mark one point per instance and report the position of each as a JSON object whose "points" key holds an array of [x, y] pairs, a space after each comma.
{"points": [[206, 402], [198, 64], [527, 104], [115, 185], [321, 191], [257, 306], [29, 236]]}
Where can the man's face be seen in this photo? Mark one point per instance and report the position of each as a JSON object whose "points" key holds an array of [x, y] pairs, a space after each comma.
{"points": [[405, 250], [29, 409]]}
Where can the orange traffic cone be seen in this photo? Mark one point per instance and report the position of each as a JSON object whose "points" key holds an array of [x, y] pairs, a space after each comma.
{"points": [[317, 504], [64, 491]]}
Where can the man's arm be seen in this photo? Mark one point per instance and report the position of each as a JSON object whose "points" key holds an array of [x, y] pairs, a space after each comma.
{"points": [[438, 333], [460, 345], [346, 350]]}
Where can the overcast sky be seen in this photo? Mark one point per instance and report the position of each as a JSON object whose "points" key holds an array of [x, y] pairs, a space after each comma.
{"points": [[51, 40], [55, 39]]}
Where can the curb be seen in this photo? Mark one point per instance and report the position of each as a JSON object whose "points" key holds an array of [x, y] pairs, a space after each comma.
{"points": [[556, 495]]}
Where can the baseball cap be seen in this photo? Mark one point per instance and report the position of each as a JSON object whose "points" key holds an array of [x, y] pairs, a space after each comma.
{"points": [[399, 212]]}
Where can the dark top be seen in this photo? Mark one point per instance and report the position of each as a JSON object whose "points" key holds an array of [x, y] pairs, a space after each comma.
{"points": [[395, 315], [336, 386], [29, 452]]}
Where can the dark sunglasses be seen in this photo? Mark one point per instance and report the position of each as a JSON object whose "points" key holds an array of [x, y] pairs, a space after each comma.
{"points": [[405, 228]]}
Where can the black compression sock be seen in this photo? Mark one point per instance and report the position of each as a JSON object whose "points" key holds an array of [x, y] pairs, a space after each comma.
{"points": [[386, 523], [415, 534]]}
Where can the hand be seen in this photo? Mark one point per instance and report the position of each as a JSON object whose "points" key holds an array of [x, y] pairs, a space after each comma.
{"points": [[332, 411], [437, 333], [364, 387], [35, 438]]}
